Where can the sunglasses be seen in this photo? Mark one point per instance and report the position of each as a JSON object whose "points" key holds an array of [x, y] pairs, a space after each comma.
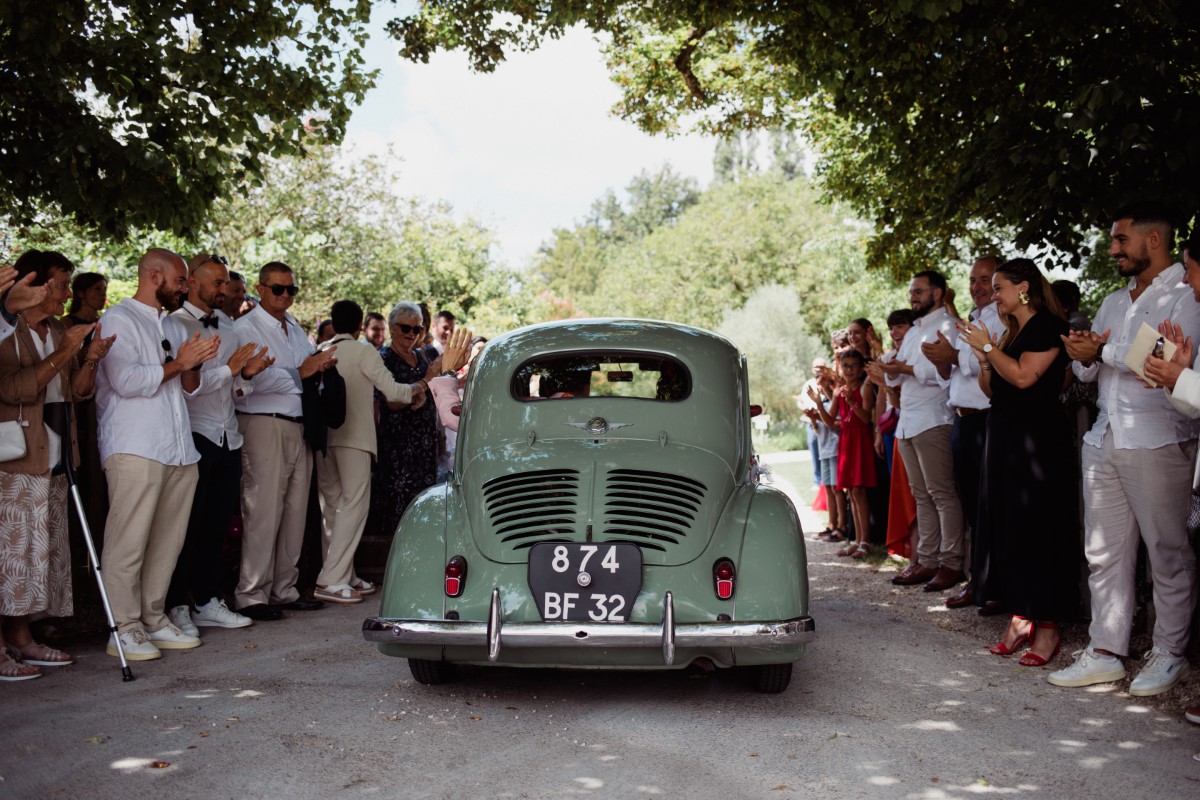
{"points": [[216, 259], [409, 328], [279, 289], [166, 346]]}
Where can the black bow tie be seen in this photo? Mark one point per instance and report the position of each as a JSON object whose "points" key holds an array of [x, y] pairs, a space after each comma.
{"points": [[209, 321]]}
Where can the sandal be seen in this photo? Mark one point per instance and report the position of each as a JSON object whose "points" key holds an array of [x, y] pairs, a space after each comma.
{"points": [[848, 550], [822, 536], [339, 593], [13, 670], [861, 551], [1032, 659], [363, 588], [41, 655]]}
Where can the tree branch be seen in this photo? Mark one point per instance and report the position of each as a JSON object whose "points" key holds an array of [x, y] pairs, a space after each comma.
{"points": [[683, 63]]}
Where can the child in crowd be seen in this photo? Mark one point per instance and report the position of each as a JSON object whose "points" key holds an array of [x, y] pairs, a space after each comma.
{"points": [[856, 457], [827, 446]]}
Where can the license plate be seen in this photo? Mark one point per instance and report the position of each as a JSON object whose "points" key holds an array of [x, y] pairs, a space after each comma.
{"points": [[577, 582]]}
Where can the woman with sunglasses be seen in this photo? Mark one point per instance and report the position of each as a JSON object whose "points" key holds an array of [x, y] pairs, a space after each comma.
{"points": [[408, 438]]}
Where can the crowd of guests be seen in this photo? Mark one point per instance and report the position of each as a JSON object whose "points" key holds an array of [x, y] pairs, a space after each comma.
{"points": [[973, 445], [186, 410]]}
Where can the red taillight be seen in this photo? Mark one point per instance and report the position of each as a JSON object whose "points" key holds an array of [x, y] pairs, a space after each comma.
{"points": [[456, 576], [723, 578]]}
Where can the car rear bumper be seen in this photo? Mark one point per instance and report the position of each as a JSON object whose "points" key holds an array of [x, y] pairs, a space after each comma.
{"points": [[495, 634]]}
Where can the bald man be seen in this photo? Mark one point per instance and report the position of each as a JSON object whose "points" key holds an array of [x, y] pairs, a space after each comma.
{"points": [[147, 453]]}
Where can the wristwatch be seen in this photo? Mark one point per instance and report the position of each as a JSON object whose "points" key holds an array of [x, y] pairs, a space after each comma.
{"points": [[449, 374], [987, 348]]}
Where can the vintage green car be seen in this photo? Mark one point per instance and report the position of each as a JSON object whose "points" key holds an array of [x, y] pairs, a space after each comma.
{"points": [[604, 511]]}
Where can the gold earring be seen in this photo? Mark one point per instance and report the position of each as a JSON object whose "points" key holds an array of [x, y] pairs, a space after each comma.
{"points": [[1023, 297]]}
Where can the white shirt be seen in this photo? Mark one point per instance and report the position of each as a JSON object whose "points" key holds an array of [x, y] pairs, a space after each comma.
{"points": [[277, 388], [964, 376], [210, 407], [1139, 417], [922, 398], [54, 394], [139, 414]]}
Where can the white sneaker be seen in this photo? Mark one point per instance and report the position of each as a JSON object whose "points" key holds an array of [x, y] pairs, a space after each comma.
{"points": [[1089, 667], [136, 644], [1162, 671], [181, 617], [170, 637], [217, 614]]}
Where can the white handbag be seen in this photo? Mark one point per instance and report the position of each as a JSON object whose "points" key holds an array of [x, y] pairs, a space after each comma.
{"points": [[12, 433]]}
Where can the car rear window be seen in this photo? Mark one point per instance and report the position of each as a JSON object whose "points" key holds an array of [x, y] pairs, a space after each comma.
{"points": [[602, 374]]}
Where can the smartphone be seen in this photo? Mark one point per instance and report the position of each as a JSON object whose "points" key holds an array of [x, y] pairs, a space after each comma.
{"points": [[87, 340]]}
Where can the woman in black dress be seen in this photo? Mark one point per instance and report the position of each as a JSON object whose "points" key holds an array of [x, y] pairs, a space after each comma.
{"points": [[1027, 512], [407, 438]]}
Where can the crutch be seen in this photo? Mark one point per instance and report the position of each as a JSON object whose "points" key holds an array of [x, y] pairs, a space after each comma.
{"points": [[126, 672]]}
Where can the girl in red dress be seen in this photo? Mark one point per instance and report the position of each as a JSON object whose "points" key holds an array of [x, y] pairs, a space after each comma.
{"points": [[856, 453]]}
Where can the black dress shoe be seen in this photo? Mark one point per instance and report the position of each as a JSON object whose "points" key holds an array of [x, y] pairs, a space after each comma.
{"points": [[260, 612], [301, 605]]}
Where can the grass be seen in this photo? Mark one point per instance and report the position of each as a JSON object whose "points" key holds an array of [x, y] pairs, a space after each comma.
{"points": [[781, 438]]}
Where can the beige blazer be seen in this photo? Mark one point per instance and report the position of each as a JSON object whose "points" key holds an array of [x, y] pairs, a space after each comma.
{"points": [[20, 396], [361, 366]]}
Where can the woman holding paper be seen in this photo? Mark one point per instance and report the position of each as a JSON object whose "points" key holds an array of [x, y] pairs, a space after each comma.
{"points": [[1027, 513]]}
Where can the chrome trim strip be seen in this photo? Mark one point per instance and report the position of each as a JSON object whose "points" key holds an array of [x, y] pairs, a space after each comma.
{"points": [[383, 630]]}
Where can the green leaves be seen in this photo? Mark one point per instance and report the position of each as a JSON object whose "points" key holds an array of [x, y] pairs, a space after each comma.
{"points": [[160, 103], [934, 119]]}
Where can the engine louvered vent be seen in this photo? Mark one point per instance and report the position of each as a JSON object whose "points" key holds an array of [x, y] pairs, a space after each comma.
{"points": [[650, 509], [531, 507]]}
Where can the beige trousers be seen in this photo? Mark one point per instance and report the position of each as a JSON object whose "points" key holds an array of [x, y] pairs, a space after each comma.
{"points": [[148, 508], [930, 467], [1127, 495], [276, 469], [344, 480]]}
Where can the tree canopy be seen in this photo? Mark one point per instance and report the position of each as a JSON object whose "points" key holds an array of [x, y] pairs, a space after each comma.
{"points": [[949, 124], [145, 112]]}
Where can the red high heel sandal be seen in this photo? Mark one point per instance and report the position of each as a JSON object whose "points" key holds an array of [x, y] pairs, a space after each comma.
{"points": [[1032, 659], [1001, 649]]}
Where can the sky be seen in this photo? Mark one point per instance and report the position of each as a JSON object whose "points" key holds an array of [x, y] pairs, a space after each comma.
{"points": [[525, 149]]}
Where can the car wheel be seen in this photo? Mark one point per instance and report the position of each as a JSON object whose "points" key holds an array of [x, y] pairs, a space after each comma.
{"points": [[771, 678], [431, 673]]}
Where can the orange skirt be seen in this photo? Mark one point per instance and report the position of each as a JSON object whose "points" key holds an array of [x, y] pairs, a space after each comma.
{"points": [[902, 509]]}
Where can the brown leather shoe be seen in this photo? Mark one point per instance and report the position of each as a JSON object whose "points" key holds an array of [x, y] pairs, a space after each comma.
{"points": [[944, 579], [914, 575], [963, 598], [991, 608]]}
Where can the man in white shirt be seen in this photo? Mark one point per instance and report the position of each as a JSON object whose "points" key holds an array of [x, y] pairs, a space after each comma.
{"points": [[344, 470], [276, 460], [147, 452], [923, 438], [958, 370], [215, 434], [1137, 465]]}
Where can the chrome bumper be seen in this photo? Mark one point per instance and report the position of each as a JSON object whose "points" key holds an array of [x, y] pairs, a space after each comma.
{"points": [[496, 634]]}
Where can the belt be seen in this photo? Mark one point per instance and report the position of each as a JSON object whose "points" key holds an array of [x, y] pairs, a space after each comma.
{"points": [[270, 414], [966, 412]]}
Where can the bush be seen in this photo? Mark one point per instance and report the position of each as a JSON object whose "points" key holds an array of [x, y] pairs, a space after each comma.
{"points": [[781, 438]]}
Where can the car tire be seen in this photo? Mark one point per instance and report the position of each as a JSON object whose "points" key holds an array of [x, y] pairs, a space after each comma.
{"points": [[430, 673], [772, 678]]}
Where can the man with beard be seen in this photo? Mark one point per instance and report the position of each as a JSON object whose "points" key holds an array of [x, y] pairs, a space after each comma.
{"points": [[235, 295], [147, 453], [276, 460], [1137, 465], [923, 438], [958, 369], [215, 434]]}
